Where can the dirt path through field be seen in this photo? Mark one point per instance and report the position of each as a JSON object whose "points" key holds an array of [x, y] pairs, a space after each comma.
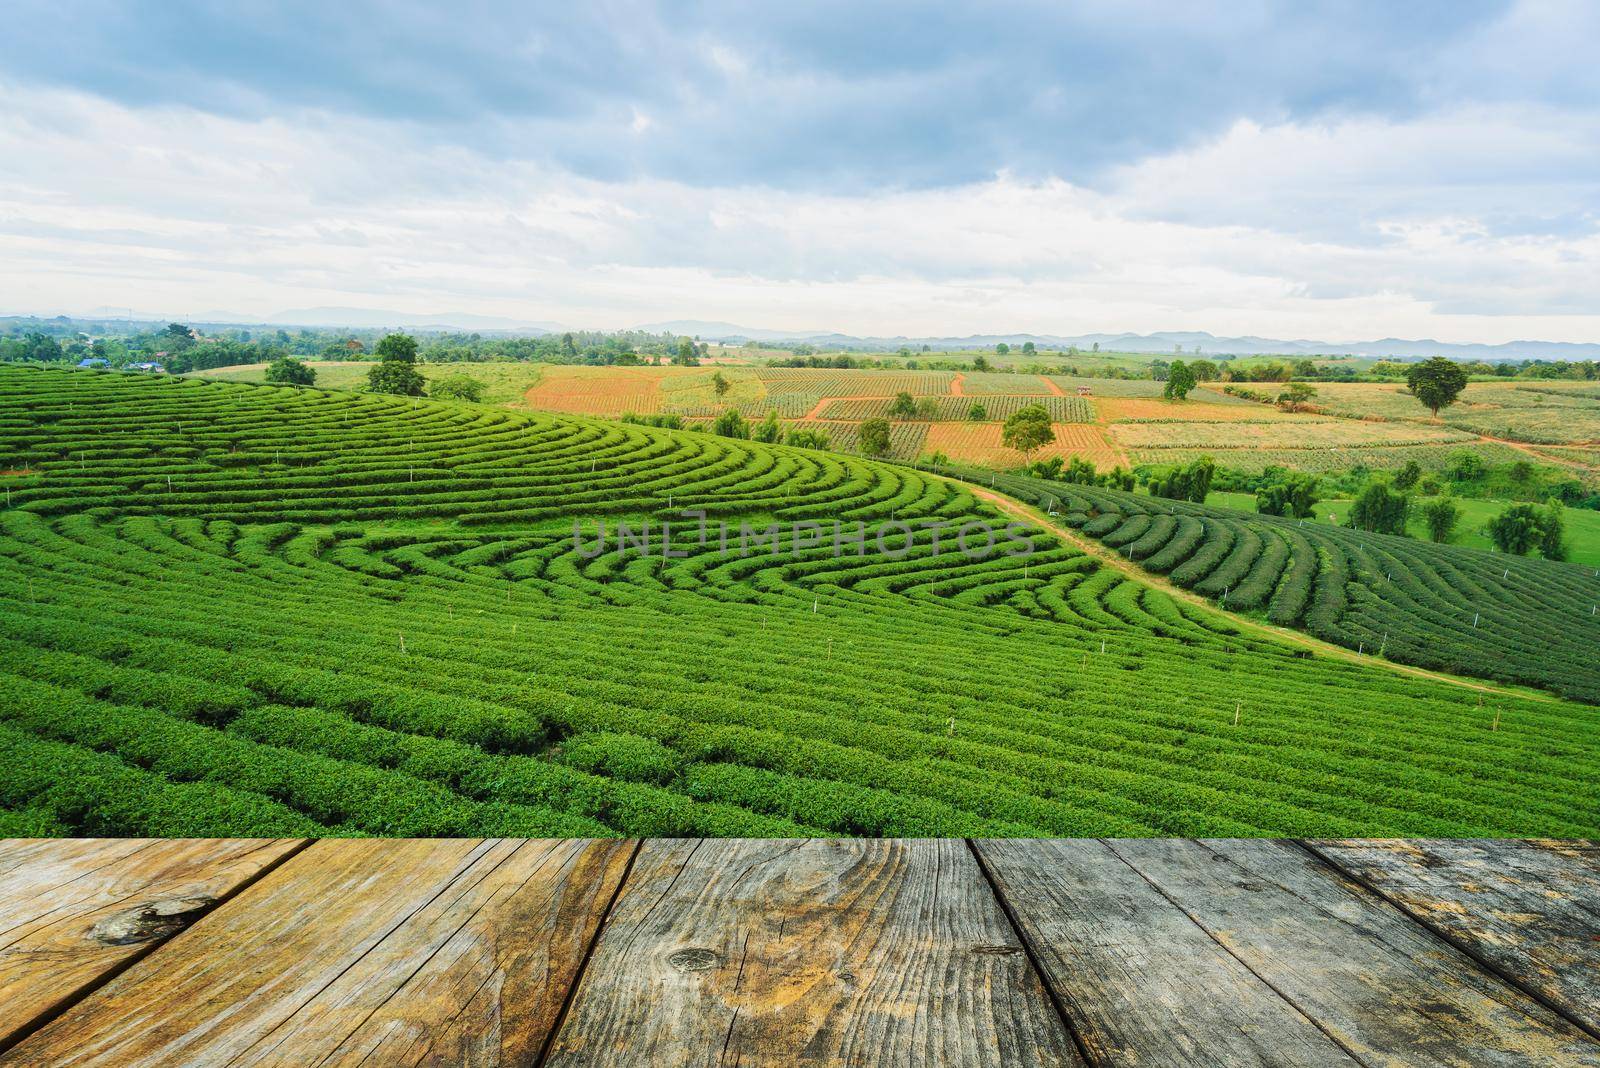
{"points": [[1055, 390], [955, 384], [1034, 516]]}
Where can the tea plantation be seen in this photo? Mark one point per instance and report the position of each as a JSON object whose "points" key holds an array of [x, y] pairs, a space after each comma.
{"points": [[248, 610], [1509, 618]]}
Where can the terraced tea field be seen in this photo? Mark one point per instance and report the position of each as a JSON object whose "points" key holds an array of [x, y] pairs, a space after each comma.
{"points": [[250, 610], [1515, 619]]}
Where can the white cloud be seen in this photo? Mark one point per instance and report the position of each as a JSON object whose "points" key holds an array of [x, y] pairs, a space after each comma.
{"points": [[1346, 231]]}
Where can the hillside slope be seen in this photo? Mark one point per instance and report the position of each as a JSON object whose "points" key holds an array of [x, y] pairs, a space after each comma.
{"points": [[1509, 618], [230, 609]]}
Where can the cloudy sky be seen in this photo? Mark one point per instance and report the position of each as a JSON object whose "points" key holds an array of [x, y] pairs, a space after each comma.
{"points": [[1333, 170]]}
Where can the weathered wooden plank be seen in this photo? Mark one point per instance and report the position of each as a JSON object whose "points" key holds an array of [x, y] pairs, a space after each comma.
{"points": [[1141, 981], [388, 952], [814, 952], [1530, 909], [1375, 981], [73, 911]]}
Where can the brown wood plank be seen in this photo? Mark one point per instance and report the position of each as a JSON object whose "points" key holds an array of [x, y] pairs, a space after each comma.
{"points": [[1141, 981], [862, 952], [389, 952], [1529, 909], [1374, 980], [74, 911]]}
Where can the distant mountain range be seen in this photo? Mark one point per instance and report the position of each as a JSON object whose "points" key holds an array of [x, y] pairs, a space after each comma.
{"points": [[1166, 342]]}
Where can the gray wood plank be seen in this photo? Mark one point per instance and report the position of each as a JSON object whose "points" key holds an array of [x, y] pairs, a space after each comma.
{"points": [[814, 952], [1142, 982], [1530, 909], [1374, 980]]}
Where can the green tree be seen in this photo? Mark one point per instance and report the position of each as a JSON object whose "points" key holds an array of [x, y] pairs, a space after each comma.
{"points": [[1465, 466], [288, 371], [687, 355], [1296, 397], [1203, 370], [806, 438], [1289, 494], [1408, 476], [730, 424], [457, 387], [977, 413], [1436, 382], [396, 373], [401, 347], [1441, 517], [1380, 509], [927, 408], [1517, 530], [1191, 483], [904, 406], [1027, 347], [873, 437], [1551, 545], [1027, 429], [719, 384], [980, 362], [1002, 348], [769, 430], [1180, 380]]}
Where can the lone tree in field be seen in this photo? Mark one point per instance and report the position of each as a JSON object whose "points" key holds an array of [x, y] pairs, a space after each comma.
{"points": [[397, 371], [904, 407], [1436, 383], [977, 413], [1027, 429], [873, 437], [1180, 380], [288, 371], [719, 384]]}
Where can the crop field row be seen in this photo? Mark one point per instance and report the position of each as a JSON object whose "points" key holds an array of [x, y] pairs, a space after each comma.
{"points": [[819, 383], [1198, 408], [992, 383], [1316, 460], [980, 443], [1312, 434], [1518, 620], [905, 439], [996, 408], [1551, 414], [251, 610]]}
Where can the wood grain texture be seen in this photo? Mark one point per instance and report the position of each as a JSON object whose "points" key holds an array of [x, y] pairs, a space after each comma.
{"points": [[1530, 909], [860, 952], [73, 911], [1377, 983], [1141, 981], [389, 952]]}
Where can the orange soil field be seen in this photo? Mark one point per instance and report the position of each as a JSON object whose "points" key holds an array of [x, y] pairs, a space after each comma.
{"points": [[1154, 409], [602, 391], [980, 443]]}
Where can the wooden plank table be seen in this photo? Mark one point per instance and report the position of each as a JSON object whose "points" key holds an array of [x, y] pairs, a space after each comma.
{"points": [[829, 952]]}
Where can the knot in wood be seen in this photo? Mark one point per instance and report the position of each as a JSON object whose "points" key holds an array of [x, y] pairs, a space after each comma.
{"points": [[693, 959], [150, 921]]}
